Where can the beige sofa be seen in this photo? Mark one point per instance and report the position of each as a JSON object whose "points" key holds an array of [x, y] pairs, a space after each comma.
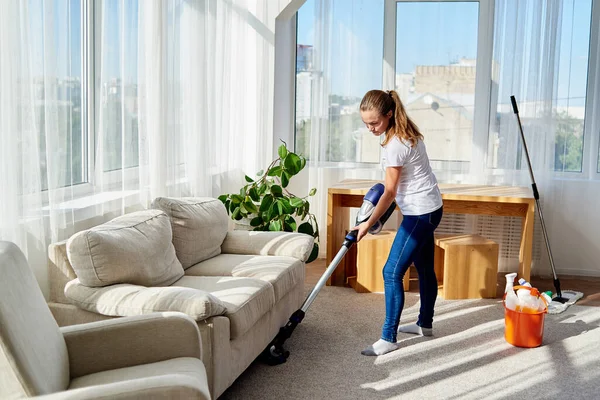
{"points": [[239, 286], [155, 356]]}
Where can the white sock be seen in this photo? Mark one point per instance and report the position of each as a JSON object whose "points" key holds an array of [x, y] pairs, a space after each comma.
{"points": [[416, 329], [379, 347]]}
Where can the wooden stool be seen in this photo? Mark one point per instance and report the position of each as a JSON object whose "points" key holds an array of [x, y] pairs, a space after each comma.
{"points": [[371, 254], [466, 266]]}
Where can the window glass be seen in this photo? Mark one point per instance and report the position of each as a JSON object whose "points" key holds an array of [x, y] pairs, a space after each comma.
{"points": [[436, 52], [56, 66], [118, 85], [569, 114], [339, 57]]}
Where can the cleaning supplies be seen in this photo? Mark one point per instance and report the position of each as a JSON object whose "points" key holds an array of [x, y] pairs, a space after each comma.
{"points": [[528, 300], [510, 300]]}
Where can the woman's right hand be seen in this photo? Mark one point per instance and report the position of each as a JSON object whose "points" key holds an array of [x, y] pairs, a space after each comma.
{"points": [[362, 229]]}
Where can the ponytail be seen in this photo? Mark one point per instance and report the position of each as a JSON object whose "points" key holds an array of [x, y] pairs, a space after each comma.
{"points": [[401, 126]]}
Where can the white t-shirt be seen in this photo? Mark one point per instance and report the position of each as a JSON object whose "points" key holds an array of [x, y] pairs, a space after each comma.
{"points": [[418, 192]]}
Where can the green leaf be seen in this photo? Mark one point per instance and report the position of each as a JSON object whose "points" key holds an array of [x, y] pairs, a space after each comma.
{"points": [[292, 163], [250, 206], [279, 207], [262, 189], [287, 208], [312, 192], [265, 203], [313, 254], [296, 202], [236, 214], [289, 224], [307, 228], [259, 173], [282, 151], [275, 225], [223, 198], [273, 211], [256, 221], [302, 163], [253, 192], [248, 179], [285, 179], [275, 171], [276, 190], [237, 199]]}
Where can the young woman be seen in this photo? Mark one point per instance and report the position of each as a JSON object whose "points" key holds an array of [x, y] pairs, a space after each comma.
{"points": [[410, 181]]}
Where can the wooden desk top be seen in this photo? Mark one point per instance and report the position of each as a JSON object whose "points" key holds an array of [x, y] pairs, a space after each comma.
{"points": [[466, 192]]}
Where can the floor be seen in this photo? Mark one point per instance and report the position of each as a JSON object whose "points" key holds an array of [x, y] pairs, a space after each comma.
{"points": [[590, 287]]}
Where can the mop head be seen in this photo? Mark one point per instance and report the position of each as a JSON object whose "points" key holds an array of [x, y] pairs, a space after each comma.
{"points": [[556, 307]]}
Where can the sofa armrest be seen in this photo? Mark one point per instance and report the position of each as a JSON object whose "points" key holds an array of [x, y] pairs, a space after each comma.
{"points": [[156, 387], [128, 341], [291, 244]]}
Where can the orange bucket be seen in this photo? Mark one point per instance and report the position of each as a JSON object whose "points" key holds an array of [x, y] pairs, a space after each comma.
{"points": [[524, 329]]}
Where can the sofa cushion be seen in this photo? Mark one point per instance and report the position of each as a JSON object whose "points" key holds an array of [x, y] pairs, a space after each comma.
{"points": [[268, 243], [282, 272], [199, 226], [134, 248], [246, 300], [124, 300]]}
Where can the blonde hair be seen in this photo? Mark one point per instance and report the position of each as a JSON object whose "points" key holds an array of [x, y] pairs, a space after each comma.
{"points": [[400, 125]]}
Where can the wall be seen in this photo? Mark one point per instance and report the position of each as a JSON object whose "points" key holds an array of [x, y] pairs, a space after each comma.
{"points": [[573, 222]]}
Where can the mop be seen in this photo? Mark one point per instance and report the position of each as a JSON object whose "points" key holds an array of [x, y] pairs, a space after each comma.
{"points": [[563, 298]]}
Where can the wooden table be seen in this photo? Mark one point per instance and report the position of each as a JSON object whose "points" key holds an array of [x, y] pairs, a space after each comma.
{"points": [[458, 199]]}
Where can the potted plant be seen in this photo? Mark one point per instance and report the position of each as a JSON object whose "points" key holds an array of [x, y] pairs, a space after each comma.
{"points": [[267, 203]]}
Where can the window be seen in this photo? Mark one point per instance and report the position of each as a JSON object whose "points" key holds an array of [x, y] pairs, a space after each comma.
{"points": [[436, 69], [569, 114], [335, 66], [57, 63], [116, 49]]}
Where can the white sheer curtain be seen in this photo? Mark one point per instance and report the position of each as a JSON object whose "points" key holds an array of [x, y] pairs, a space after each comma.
{"points": [[526, 56], [178, 105], [331, 134], [40, 124]]}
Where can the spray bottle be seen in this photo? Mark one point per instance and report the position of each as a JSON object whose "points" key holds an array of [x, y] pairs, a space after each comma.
{"points": [[510, 300]]}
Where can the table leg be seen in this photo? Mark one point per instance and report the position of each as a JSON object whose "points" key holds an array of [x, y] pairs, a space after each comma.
{"points": [[337, 224], [525, 252]]}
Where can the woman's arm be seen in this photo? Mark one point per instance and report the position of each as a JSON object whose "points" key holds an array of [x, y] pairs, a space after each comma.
{"points": [[392, 177]]}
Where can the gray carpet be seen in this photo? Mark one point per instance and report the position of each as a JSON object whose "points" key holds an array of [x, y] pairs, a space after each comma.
{"points": [[467, 358]]}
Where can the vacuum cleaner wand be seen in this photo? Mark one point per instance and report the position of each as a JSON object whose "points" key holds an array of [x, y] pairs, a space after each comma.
{"points": [[274, 353], [536, 195]]}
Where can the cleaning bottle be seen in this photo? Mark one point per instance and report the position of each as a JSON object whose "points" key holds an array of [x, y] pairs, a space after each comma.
{"points": [[530, 302], [523, 292], [548, 298], [510, 300]]}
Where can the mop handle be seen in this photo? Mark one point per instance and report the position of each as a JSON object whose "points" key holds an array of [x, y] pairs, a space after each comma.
{"points": [[536, 195]]}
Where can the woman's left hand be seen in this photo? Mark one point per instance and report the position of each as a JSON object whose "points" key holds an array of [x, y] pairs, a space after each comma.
{"points": [[362, 229]]}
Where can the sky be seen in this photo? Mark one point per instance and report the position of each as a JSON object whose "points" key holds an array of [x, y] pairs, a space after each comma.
{"points": [[433, 33], [428, 33]]}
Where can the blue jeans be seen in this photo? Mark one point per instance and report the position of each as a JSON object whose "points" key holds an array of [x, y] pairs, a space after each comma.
{"points": [[413, 243]]}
